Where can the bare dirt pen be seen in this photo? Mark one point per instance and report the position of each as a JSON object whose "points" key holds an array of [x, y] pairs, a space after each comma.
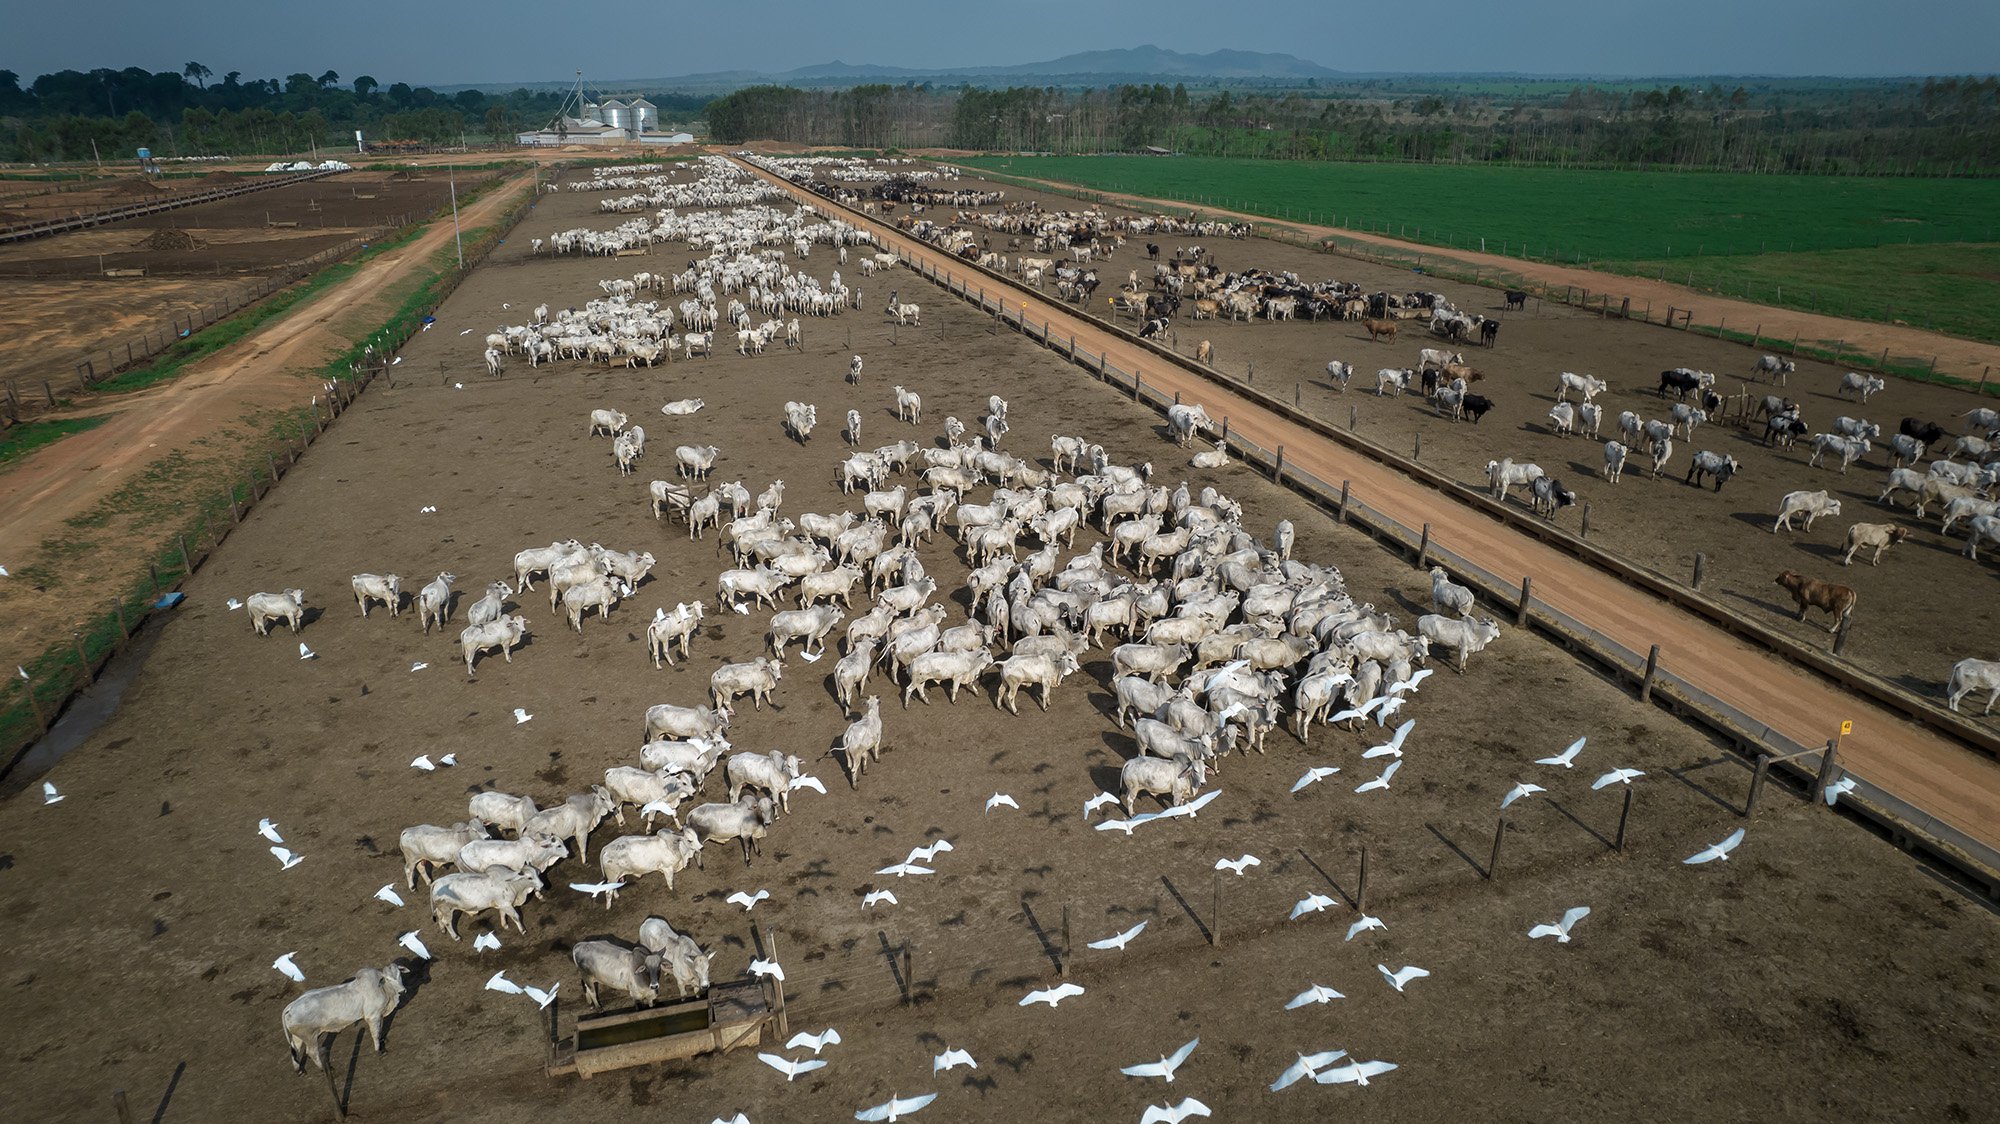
{"points": [[1816, 946], [62, 301], [1924, 608]]}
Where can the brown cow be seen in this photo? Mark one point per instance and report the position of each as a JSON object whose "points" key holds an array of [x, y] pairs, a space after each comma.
{"points": [[1380, 329], [1204, 352], [1811, 593]]}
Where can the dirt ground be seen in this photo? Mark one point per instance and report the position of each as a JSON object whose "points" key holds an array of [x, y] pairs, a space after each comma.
{"points": [[1818, 974], [1903, 630]]}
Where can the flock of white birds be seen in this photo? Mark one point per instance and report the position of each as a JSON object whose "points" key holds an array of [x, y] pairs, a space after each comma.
{"points": [[1324, 1067]]}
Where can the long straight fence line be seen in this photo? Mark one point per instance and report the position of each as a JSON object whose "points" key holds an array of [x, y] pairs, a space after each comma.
{"points": [[1910, 827], [1839, 352], [42, 228], [31, 702]]}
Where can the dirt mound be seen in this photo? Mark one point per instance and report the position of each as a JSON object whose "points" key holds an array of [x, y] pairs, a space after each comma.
{"points": [[168, 240], [219, 179], [133, 187]]}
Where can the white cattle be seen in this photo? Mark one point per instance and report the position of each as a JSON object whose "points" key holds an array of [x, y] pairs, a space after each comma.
{"points": [[1970, 675], [369, 997], [288, 606], [1812, 505]]}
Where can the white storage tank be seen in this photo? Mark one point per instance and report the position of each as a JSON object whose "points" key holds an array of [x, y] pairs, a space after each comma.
{"points": [[645, 114], [616, 114]]}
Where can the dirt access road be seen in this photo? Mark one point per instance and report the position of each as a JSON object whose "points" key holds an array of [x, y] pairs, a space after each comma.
{"points": [[260, 372], [1961, 358], [1944, 779]]}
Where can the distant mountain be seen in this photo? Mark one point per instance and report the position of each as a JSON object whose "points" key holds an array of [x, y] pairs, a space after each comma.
{"points": [[1085, 67]]}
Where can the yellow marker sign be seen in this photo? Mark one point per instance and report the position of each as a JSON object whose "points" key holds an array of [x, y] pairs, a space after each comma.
{"points": [[1846, 728]]}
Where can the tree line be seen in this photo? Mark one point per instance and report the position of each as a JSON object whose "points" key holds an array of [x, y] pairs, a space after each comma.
{"points": [[1941, 126], [191, 112]]}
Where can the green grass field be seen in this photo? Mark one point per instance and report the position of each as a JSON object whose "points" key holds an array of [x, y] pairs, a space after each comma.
{"points": [[25, 438], [1875, 249]]}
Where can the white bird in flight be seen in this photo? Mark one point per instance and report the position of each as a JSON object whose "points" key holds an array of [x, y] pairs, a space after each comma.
{"points": [[1173, 1113], [427, 509], [1311, 903], [1000, 799], [818, 1042], [1315, 775], [1238, 865], [901, 869], [1354, 1073], [1306, 1066], [1560, 930], [284, 964], [1192, 807], [608, 889], [287, 858], [770, 968], [306, 653], [454, 386], [1121, 940], [1051, 995], [1411, 683], [1165, 1067], [418, 666], [423, 762], [1401, 976], [1394, 746], [1363, 925], [1125, 826], [1314, 994], [233, 604], [811, 782], [1567, 758], [1099, 801], [809, 657], [1719, 851], [1381, 782], [484, 941], [1520, 790], [1390, 705], [50, 795], [739, 1118], [747, 901], [1838, 789], [448, 759], [409, 940], [952, 1059], [542, 998], [895, 1108], [499, 982], [930, 853], [397, 360], [1616, 776], [878, 896], [521, 716], [388, 894]]}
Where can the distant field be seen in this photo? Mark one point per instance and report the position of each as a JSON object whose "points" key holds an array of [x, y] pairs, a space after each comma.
{"points": [[1737, 233]]}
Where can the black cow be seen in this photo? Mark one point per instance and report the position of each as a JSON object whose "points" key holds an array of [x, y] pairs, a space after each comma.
{"points": [[1489, 330], [1680, 380], [1930, 433], [1549, 496], [1152, 252], [1162, 306], [1784, 429], [1475, 406], [1517, 299], [1152, 328]]}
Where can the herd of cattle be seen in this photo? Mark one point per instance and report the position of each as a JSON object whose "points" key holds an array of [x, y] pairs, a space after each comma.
{"points": [[1213, 636]]}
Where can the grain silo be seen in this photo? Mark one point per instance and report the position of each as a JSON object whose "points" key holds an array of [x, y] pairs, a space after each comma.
{"points": [[646, 115], [615, 114]]}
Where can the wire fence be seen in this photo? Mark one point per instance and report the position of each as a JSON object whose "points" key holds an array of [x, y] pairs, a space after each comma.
{"points": [[1913, 828], [1603, 301], [33, 700]]}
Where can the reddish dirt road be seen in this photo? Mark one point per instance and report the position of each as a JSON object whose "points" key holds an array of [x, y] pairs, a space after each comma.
{"points": [[1945, 780], [260, 372], [1962, 358]]}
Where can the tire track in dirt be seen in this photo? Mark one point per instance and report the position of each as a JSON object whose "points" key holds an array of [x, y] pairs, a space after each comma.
{"points": [[1936, 775]]}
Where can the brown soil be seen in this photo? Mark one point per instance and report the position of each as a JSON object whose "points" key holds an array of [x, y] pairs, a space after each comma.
{"points": [[1817, 945], [168, 240], [209, 413], [132, 187], [1936, 774], [1966, 359]]}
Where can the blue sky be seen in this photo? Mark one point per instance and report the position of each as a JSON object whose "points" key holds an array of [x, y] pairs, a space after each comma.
{"points": [[493, 42]]}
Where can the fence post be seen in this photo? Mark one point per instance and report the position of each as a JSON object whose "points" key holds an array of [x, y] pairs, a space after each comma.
{"points": [[1840, 634], [1295, 395], [1278, 469], [187, 559], [1063, 963], [1825, 775], [1225, 432], [1623, 817], [1423, 546], [909, 981], [1417, 451], [1361, 884], [41, 718], [1583, 529], [1700, 565], [1527, 597], [1757, 783], [1138, 383], [1341, 515], [1215, 913], [1353, 416], [1493, 862], [1646, 683]]}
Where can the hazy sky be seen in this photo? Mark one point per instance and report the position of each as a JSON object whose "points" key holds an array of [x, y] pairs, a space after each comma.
{"points": [[494, 42]]}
